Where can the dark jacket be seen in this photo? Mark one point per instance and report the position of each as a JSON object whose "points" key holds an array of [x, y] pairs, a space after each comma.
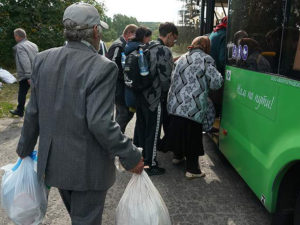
{"points": [[217, 49], [161, 66], [114, 54], [70, 109], [130, 96]]}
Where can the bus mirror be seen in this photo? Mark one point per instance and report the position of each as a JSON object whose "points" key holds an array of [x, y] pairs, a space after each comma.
{"points": [[297, 58]]}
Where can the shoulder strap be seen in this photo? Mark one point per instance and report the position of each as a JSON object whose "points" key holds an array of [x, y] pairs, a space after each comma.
{"points": [[154, 45]]}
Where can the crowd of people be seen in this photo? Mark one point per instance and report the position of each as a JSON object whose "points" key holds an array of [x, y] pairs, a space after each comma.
{"points": [[75, 92]]}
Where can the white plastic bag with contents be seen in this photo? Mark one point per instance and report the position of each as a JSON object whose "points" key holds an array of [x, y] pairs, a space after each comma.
{"points": [[141, 204], [22, 196], [7, 77]]}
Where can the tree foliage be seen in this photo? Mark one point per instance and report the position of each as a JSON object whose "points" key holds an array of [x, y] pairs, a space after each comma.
{"points": [[42, 21], [117, 25]]}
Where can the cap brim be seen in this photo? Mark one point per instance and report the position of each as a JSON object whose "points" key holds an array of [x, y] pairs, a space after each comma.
{"points": [[104, 25]]}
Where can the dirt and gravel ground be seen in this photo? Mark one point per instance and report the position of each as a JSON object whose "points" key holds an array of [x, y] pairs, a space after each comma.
{"points": [[221, 198]]}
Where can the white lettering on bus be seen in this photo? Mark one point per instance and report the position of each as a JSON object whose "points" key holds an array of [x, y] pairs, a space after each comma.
{"points": [[264, 101], [241, 91], [260, 100]]}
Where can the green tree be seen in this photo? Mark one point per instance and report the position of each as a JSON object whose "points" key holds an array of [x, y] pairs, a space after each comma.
{"points": [[41, 19], [121, 21]]}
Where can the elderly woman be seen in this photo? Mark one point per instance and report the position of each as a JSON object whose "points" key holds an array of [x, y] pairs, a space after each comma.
{"points": [[194, 75]]}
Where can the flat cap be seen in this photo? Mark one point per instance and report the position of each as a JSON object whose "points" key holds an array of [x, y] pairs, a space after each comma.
{"points": [[85, 15]]}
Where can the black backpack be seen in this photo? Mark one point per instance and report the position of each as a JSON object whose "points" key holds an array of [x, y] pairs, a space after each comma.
{"points": [[132, 77]]}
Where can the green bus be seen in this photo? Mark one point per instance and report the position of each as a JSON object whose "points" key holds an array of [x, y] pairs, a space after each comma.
{"points": [[260, 131]]}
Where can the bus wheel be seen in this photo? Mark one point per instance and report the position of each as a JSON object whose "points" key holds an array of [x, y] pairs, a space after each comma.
{"points": [[288, 204], [297, 210]]}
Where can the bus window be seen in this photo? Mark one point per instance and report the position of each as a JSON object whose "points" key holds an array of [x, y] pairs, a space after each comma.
{"points": [[297, 58], [253, 39], [290, 55]]}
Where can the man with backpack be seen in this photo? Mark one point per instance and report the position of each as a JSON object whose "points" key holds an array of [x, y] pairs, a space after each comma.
{"points": [[123, 115], [149, 101]]}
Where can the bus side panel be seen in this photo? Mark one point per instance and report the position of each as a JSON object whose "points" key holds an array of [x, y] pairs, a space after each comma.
{"points": [[258, 110]]}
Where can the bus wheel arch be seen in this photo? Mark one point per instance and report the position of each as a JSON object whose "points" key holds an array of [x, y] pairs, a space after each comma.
{"points": [[288, 198]]}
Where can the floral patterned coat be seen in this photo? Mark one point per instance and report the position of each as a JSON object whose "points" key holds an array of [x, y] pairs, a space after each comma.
{"points": [[194, 75]]}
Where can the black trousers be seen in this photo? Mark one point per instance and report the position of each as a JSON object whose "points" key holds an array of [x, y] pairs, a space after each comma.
{"points": [[165, 125], [185, 139], [123, 116], [23, 89], [84, 207], [147, 131]]}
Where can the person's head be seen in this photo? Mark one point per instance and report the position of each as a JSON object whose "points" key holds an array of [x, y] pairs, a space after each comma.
{"points": [[201, 42], [82, 22], [129, 32], [238, 36], [168, 33], [19, 34], [143, 35], [252, 44]]}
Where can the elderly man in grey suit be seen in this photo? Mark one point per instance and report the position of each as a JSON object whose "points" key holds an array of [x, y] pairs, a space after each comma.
{"points": [[70, 109], [25, 52]]}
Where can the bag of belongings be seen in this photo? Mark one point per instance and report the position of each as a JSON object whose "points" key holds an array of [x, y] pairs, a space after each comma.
{"points": [[22, 197]]}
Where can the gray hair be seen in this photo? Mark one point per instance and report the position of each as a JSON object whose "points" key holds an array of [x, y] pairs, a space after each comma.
{"points": [[20, 32], [72, 34]]}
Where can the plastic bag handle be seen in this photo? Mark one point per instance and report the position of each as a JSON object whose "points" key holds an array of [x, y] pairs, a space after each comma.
{"points": [[33, 156]]}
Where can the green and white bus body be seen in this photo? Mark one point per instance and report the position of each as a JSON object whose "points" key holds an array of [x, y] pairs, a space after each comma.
{"points": [[260, 125]]}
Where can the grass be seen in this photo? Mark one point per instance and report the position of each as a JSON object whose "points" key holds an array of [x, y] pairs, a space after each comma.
{"points": [[8, 99]]}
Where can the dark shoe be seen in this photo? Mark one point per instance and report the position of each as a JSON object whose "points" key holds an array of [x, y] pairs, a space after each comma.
{"points": [[155, 170], [16, 113], [213, 130]]}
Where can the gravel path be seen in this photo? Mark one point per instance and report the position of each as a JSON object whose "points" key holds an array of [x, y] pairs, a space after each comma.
{"points": [[221, 198]]}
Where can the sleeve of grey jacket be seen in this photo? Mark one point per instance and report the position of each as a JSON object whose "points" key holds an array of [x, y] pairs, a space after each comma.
{"points": [[99, 106], [24, 61], [213, 76], [30, 130]]}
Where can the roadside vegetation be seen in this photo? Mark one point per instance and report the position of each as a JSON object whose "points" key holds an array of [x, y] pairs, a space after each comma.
{"points": [[8, 99]]}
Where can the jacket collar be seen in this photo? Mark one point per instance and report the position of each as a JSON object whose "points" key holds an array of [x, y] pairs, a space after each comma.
{"points": [[80, 45], [160, 41], [22, 41], [122, 39]]}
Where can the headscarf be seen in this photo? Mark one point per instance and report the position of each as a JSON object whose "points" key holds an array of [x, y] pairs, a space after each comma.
{"points": [[201, 42], [221, 25]]}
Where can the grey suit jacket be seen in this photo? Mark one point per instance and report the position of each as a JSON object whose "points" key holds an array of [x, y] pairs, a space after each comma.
{"points": [[25, 52], [70, 109]]}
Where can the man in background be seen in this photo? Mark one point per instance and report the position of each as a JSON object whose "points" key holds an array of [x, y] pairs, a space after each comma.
{"points": [[25, 52], [123, 115]]}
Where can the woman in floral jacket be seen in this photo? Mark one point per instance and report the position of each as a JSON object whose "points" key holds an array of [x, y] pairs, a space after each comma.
{"points": [[194, 75]]}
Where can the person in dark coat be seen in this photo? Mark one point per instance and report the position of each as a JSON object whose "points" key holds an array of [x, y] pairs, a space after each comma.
{"points": [[217, 52], [123, 114]]}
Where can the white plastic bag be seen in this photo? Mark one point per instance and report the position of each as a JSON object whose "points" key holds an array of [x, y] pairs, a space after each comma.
{"points": [[7, 77], [141, 204], [22, 196]]}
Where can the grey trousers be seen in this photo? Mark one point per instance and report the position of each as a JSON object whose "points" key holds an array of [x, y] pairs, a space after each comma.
{"points": [[84, 207]]}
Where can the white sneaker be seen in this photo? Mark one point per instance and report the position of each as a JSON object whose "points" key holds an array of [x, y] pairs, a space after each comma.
{"points": [[190, 176]]}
